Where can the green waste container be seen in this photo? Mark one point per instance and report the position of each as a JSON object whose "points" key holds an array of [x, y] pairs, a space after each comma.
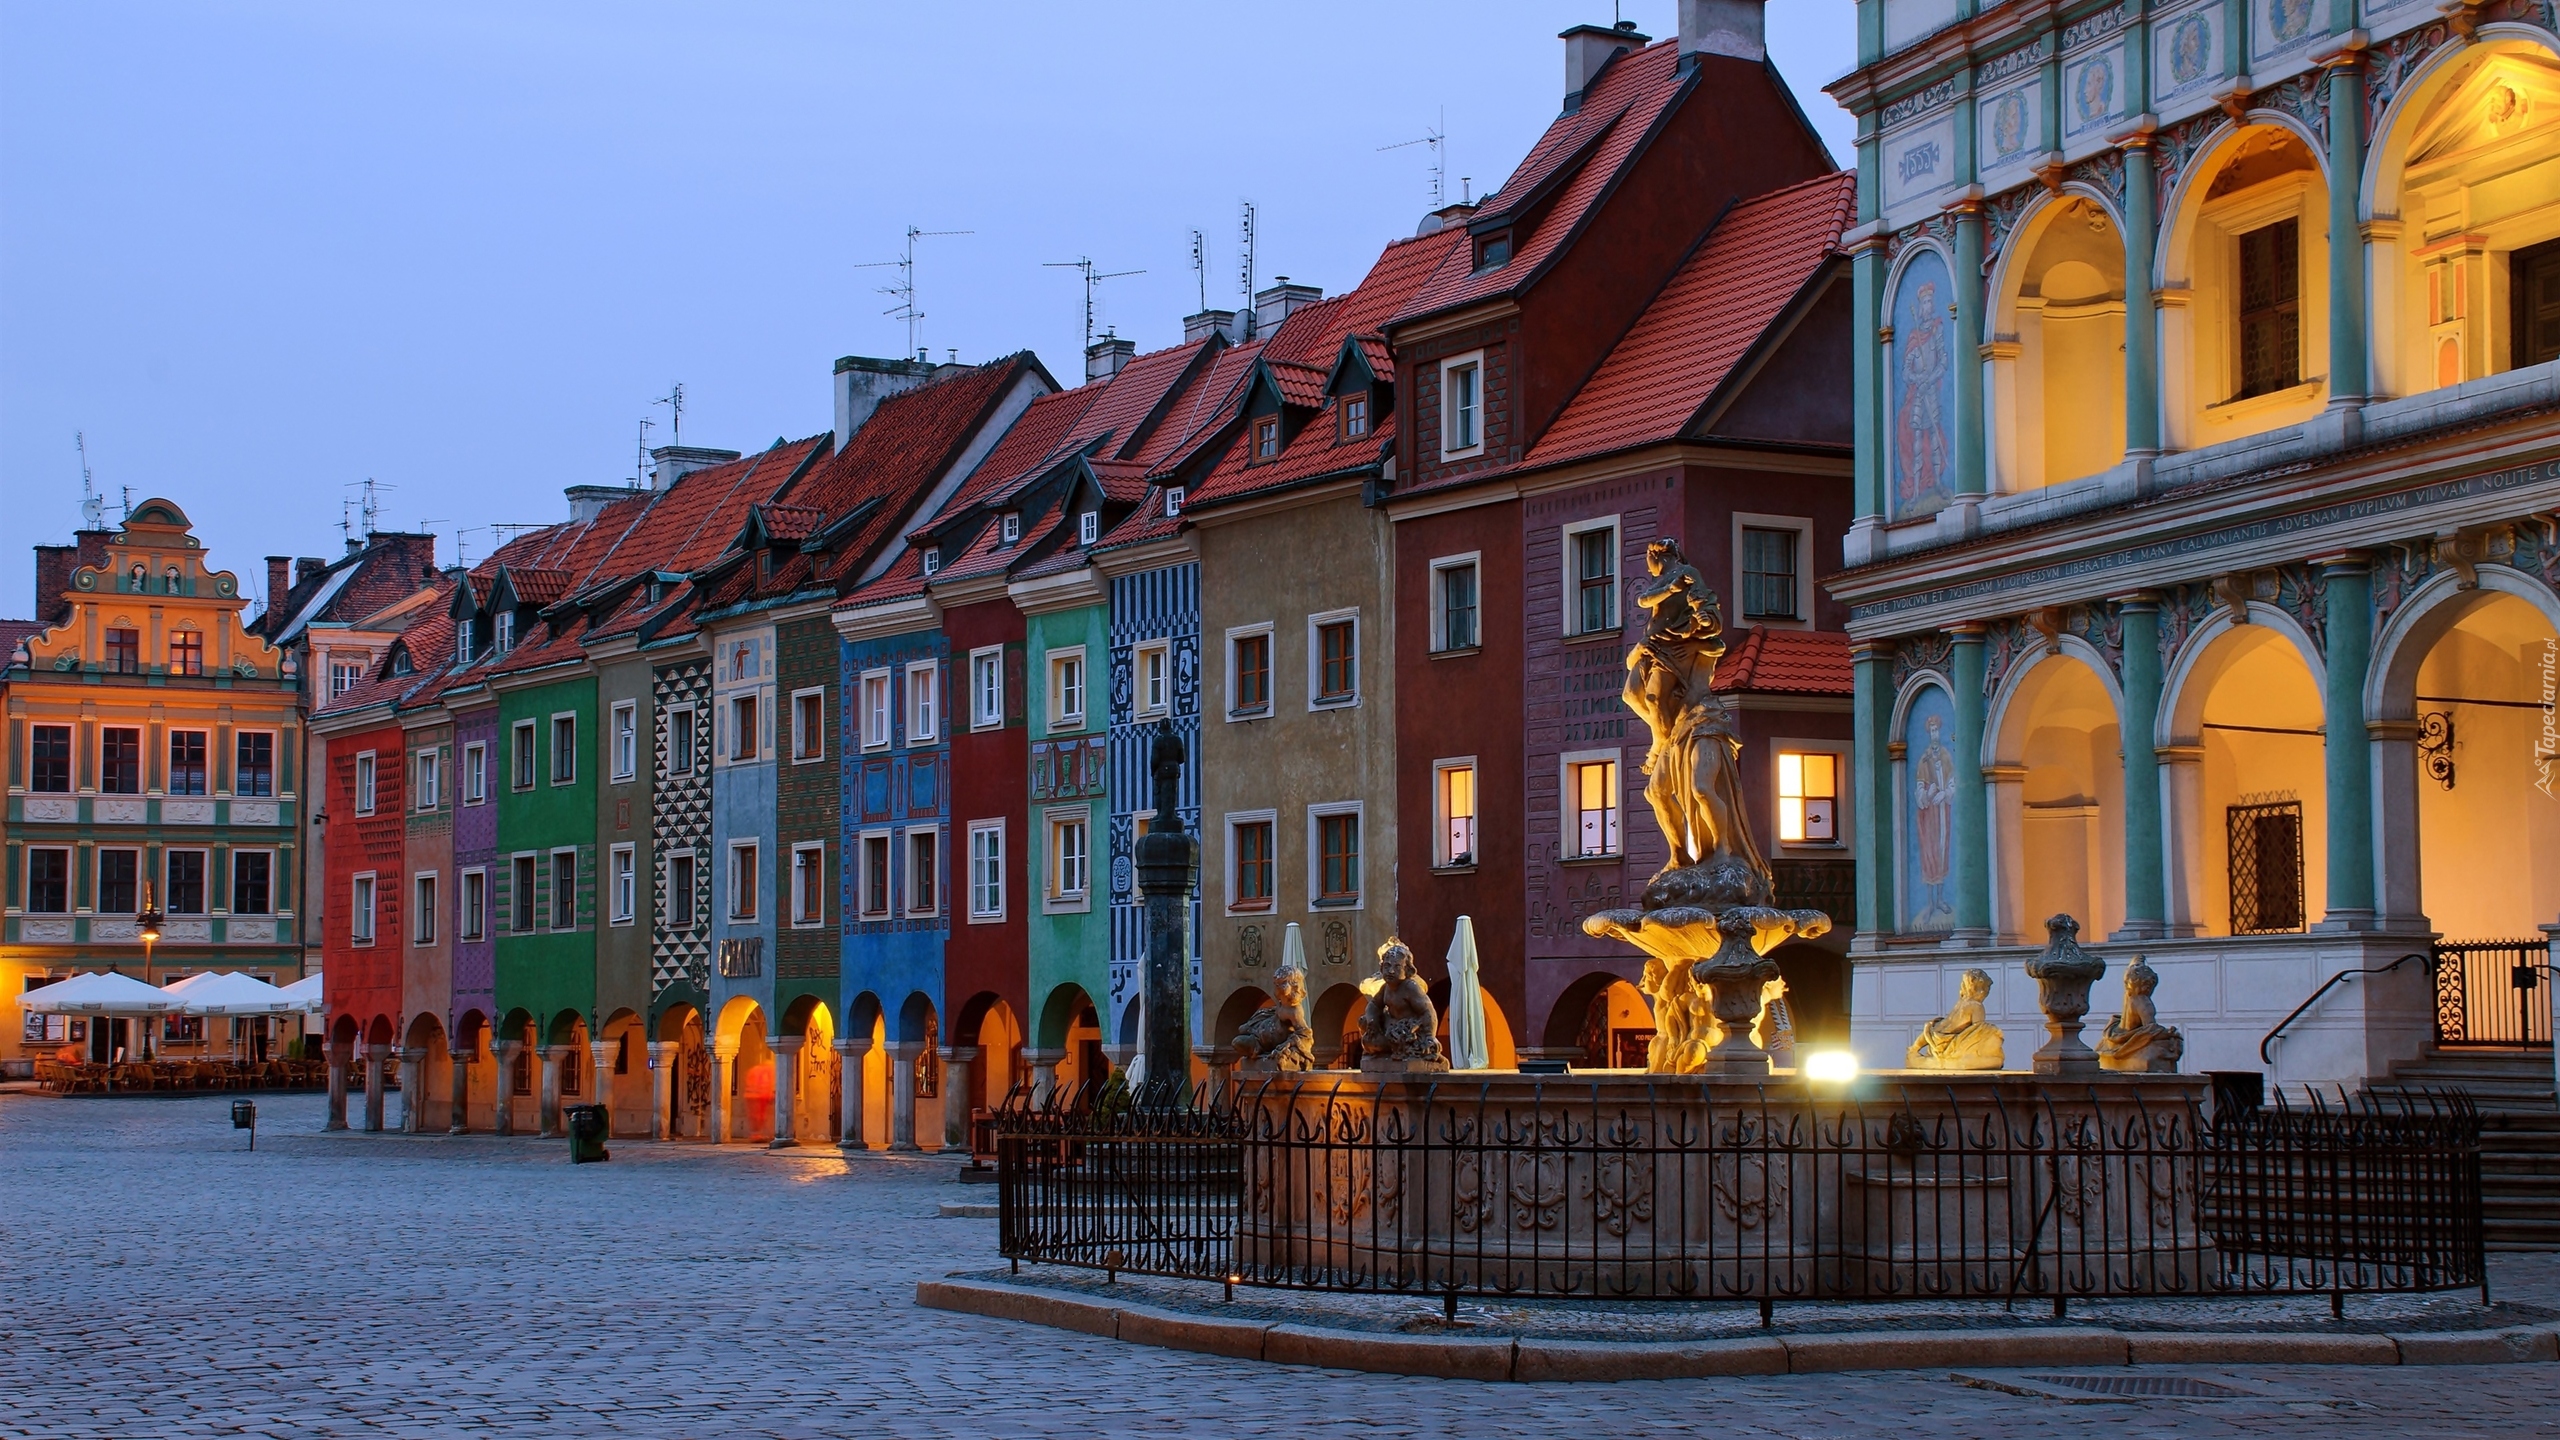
{"points": [[587, 1131]]}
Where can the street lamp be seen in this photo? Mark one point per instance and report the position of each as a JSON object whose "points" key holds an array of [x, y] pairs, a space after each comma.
{"points": [[147, 924]]}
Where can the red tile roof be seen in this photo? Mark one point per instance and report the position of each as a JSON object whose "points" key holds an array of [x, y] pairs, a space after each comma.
{"points": [[14, 631], [1195, 416], [1300, 385], [1790, 662], [535, 585], [792, 522], [1707, 319]]}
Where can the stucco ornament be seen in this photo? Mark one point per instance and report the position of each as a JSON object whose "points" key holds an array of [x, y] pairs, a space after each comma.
{"points": [[2136, 1041], [1278, 1036], [1964, 1038], [1709, 910], [1398, 1029]]}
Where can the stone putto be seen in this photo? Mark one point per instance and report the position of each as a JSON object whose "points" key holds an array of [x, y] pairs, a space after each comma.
{"points": [[1278, 1036], [1964, 1038], [1398, 1029], [2136, 1041]]}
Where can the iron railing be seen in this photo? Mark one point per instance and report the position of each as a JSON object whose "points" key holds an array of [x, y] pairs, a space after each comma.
{"points": [[1624, 1188], [2489, 992]]}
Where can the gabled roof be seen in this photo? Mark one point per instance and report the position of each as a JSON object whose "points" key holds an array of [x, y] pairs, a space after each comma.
{"points": [[1789, 662], [1298, 384], [1196, 416], [1708, 319]]}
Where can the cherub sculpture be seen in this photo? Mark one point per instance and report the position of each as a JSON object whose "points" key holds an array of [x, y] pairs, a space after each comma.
{"points": [[1278, 1036], [1964, 1038], [2136, 1041], [1398, 1029]]}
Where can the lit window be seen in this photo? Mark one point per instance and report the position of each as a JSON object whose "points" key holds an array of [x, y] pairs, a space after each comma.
{"points": [[986, 688], [626, 884], [924, 862], [1455, 784], [186, 653], [1249, 665], [564, 889], [188, 765], [808, 885], [742, 882], [875, 875], [1461, 389], [1808, 798], [1355, 416], [626, 740], [1266, 437], [360, 911], [1591, 803], [422, 910], [430, 782], [1068, 857], [1454, 598], [1066, 689], [1250, 842], [1338, 858], [924, 709], [364, 783], [1593, 554], [986, 871], [1769, 574], [564, 749], [1337, 656]]}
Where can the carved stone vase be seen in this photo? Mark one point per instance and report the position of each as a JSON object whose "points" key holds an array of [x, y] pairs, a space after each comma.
{"points": [[1734, 978], [2063, 973]]}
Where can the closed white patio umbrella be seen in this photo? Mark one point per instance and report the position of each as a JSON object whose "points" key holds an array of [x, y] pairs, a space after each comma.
{"points": [[1468, 1049], [104, 992]]}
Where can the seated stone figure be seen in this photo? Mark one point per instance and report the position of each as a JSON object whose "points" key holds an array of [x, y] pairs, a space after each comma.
{"points": [[1278, 1036], [2136, 1041], [1776, 1027], [1398, 1029], [1964, 1038]]}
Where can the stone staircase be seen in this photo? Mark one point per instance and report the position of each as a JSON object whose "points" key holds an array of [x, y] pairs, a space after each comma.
{"points": [[2519, 1134]]}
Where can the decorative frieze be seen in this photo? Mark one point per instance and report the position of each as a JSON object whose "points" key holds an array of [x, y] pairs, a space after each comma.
{"points": [[2302, 592], [1921, 654], [1920, 102], [2092, 27], [2001, 67]]}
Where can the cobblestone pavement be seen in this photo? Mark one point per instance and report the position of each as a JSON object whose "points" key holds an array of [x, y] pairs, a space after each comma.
{"points": [[161, 1280]]}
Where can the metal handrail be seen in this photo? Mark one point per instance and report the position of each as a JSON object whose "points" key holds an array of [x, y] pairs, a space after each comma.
{"points": [[2325, 985]]}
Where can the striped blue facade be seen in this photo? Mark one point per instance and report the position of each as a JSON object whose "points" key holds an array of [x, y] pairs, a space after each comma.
{"points": [[1149, 605]]}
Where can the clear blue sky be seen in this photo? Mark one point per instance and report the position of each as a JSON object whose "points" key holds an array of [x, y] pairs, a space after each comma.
{"points": [[260, 252]]}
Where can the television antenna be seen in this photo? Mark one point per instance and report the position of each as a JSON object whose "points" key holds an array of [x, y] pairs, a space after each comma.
{"points": [[640, 453], [93, 506], [674, 401], [1092, 277], [904, 291], [1200, 265], [368, 503], [1244, 262], [1437, 137]]}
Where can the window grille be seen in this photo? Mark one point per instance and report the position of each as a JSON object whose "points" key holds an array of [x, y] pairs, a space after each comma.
{"points": [[2266, 866]]}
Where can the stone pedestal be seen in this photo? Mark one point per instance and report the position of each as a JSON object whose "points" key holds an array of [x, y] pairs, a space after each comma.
{"points": [[724, 1059], [458, 1122], [2063, 974], [1044, 1074], [902, 1094], [413, 1085], [786, 1091], [508, 1052], [958, 1063], [338, 1065], [852, 1107], [546, 1115], [376, 1082], [664, 1055]]}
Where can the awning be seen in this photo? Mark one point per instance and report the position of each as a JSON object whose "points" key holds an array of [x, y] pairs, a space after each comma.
{"points": [[104, 992]]}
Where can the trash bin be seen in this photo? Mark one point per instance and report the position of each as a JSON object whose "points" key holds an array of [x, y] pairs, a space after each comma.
{"points": [[587, 1131]]}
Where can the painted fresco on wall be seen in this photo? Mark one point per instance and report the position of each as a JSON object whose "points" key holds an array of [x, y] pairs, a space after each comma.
{"points": [[1929, 812], [1924, 388], [2187, 49]]}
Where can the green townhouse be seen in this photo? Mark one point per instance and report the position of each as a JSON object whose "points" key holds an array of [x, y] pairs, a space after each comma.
{"points": [[1067, 636]]}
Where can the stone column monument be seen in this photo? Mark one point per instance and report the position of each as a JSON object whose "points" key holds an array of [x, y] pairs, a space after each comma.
{"points": [[1168, 859]]}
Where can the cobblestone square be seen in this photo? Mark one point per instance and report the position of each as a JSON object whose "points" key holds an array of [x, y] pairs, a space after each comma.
{"points": [[165, 1281]]}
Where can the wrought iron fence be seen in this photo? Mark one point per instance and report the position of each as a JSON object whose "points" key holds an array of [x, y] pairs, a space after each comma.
{"points": [[2489, 992], [1620, 1188]]}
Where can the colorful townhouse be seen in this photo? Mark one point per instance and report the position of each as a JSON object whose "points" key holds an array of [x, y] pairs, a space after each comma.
{"points": [[152, 761], [2205, 570]]}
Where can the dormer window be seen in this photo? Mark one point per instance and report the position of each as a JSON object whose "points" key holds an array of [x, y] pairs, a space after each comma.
{"points": [[506, 627], [1173, 503], [1009, 529], [462, 643], [1088, 527], [1266, 438], [1493, 250], [1354, 411], [932, 561]]}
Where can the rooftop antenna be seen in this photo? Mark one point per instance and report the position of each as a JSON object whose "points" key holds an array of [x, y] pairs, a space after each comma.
{"points": [[128, 502], [1200, 265], [674, 401], [1437, 137], [1091, 276], [369, 502], [640, 453], [1244, 263], [904, 291], [346, 521], [93, 506]]}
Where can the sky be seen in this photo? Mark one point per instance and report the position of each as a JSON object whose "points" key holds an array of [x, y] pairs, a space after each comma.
{"points": [[260, 253]]}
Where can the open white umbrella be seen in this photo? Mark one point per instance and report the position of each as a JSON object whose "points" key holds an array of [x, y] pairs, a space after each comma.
{"points": [[231, 992], [103, 992], [305, 995], [1467, 1046]]}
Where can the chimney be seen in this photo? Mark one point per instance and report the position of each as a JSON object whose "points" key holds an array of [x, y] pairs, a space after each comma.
{"points": [[1205, 323], [862, 382], [54, 564], [671, 463], [279, 582], [1273, 305], [1735, 28], [1105, 357], [586, 502], [1446, 216], [1589, 47], [307, 568]]}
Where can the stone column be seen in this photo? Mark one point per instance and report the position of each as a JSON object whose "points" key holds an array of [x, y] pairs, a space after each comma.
{"points": [[1972, 468], [2141, 320], [1866, 388], [459, 1122], [850, 1108], [2393, 745], [600, 1067], [1871, 790], [338, 1058], [547, 1096], [507, 1052], [724, 1055], [1973, 800], [2145, 908], [903, 1055], [2347, 379], [2349, 767], [664, 1055], [376, 1060], [1044, 1074], [958, 1062], [413, 1080], [786, 1091], [2006, 787], [2182, 852]]}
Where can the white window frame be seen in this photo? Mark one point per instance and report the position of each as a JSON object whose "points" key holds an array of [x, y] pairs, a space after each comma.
{"points": [[626, 739], [1568, 820], [232, 888], [471, 914], [422, 904], [1173, 498], [368, 790], [1067, 663], [1442, 857], [1009, 527], [680, 757], [1316, 816], [1572, 579], [1055, 897], [622, 880], [924, 702], [746, 727], [167, 898], [1271, 662], [1088, 527], [524, 763], [1235, 903], [169, 775], [863, 874], [426, 779], [802, 917], [907, 891], [1450, 448], [1803, 529], [991, 830], [475, 773], [275, 743], [70, 887], [809, 743], [744, 857], [692, 919], [986, 702], [1472, 560], [1160, 702], [502, 631], [1841, 809], [558, 778], [363, 898], [1315, 659]]}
